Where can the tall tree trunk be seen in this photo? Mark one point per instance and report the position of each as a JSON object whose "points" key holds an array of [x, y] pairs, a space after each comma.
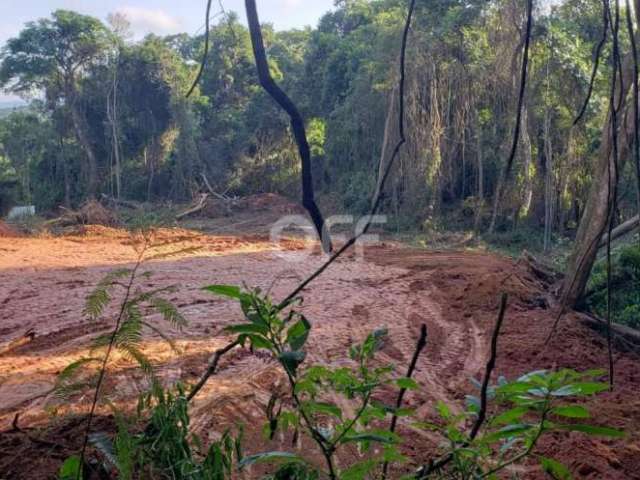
{"points": [[112, 115], [80, 129], [597, 212], [548, 183], [65, 173], [480, 200]]}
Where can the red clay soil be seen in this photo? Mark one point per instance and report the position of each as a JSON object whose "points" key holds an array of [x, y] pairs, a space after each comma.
{"points": [[45, 280]]}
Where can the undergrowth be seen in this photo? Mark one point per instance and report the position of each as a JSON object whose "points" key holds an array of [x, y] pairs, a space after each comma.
{"points": [[625, 287], [498, 428]]}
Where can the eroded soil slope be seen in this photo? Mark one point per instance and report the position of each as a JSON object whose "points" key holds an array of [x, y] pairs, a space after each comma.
{"points": [[44, 281]]}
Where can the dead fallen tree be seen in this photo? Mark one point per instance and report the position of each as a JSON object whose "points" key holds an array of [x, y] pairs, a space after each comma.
{"points": [[200, 205], [544, 272], [621, 230], [90, 213]]}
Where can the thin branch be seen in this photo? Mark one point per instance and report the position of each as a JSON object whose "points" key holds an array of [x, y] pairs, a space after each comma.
{"points": [[378, 196], [491, 364], [422, 342], [297, 123], [203, 62], [211, 369], [605, 30]]}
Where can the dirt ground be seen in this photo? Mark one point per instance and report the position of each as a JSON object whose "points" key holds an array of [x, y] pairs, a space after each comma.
{"points": [[44, 282]]}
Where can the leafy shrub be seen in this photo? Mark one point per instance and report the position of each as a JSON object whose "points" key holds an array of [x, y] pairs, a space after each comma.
{"points": [[625, 287], [479, 442]]}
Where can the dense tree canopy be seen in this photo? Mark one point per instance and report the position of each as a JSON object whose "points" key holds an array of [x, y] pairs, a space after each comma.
{"points": [[118, 118]]}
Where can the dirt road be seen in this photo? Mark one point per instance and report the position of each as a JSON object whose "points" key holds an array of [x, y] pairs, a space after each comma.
{"points": [[44, 281]]}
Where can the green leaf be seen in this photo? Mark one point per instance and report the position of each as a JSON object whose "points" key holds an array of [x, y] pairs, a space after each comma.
{"points": [[443, 410], [248, 328], [298, 333], [407, 383], [323, 407], [359, 470], [269, 457], [291, 360], [590, 388], [368, 437], [230, 291], [554, 468], [510, 416], [593, 430], [71, 469], [571, 411]]}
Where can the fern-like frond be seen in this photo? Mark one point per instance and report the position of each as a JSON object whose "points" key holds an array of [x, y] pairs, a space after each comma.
{"points": [[162, 335], [169, 312], [131, 352], [100, 297]]}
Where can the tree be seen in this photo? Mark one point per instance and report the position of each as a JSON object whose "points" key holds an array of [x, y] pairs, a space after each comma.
{"points": [[52, 55]]}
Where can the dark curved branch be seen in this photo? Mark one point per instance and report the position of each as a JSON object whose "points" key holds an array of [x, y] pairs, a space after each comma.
{"points": [[297, 123], [596, 64], [378, 196], [422, 342], [523, 87], [203, 62]]}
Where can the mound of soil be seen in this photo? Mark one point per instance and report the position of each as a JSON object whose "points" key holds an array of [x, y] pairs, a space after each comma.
{"points": [[6, 231], [271, 202]]}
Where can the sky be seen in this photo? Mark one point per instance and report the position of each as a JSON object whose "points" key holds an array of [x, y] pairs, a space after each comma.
{"points": [[159, 16]]}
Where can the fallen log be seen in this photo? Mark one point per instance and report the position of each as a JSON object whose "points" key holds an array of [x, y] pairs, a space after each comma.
{"points": [[198, 207], [621, 230], [544, 272], [28, 336], [119, 202]]}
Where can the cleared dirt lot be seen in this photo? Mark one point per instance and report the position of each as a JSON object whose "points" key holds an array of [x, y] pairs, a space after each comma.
{"points": [[44, 282]]}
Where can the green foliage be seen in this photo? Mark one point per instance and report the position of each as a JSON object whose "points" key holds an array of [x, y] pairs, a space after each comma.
{"points": [[625, 287], [128, 332], [532, 406]]}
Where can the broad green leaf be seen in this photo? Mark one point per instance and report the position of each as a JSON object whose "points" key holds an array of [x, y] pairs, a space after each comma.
{"points": [[298, 333], [571, 411], [249, 328], [323, 407], [593, 430], [230, 291], [590, 388], [71, 469], [554, 468], [510, 416], [443, 410], [359, 470], [407, 383]]}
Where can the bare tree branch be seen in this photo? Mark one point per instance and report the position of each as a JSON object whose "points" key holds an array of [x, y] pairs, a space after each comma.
{"points": [[297, 123]]}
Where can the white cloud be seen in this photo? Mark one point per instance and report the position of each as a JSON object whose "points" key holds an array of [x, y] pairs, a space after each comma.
{"points": [[147, 20], [291, 3]]}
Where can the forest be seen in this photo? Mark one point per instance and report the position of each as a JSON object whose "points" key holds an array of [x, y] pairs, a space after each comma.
{"points": [[494, 332]]}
